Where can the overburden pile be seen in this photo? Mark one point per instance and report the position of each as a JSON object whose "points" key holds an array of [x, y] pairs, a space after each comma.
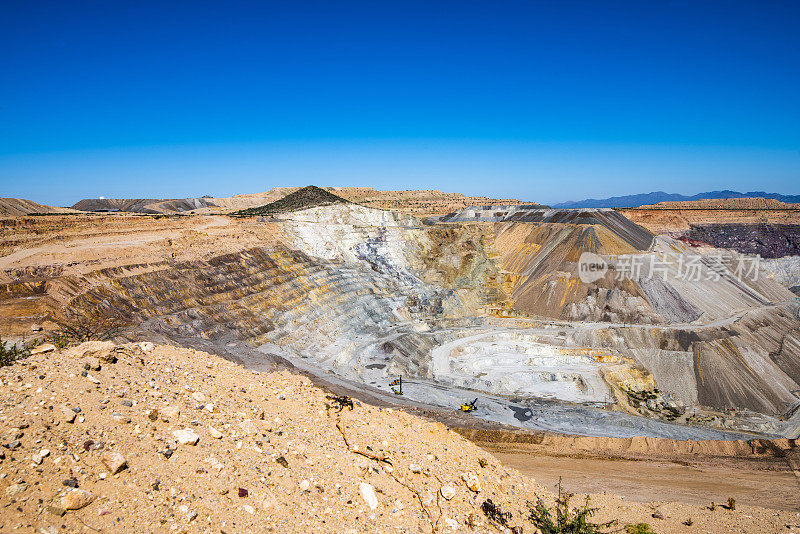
{"points": [[307, 197]]}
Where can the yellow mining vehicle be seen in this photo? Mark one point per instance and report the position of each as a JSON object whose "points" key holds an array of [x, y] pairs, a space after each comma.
{"points": [[398, 382], [469, 407]]}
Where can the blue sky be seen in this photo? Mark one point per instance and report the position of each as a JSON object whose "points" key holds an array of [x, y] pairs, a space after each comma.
{"points": [[544, 101]]}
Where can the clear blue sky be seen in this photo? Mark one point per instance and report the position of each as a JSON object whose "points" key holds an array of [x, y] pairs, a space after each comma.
{"points": [[544, 101]]}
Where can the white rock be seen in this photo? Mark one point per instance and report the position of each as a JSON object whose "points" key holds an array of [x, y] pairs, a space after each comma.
{"points": [[170, 413], [472, 482], [448, 491], [186, 436], [44, 453], [43, 348], [214, 433], [304, 485], [146, 346], [249, 509], [414, 468], [199, 397], [368, 494]]}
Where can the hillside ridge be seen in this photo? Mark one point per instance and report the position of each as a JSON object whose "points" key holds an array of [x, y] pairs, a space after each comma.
{"points": [[632, 201]]}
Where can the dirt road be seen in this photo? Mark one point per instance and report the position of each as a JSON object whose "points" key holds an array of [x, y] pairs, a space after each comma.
{"points": [[755, 484]]}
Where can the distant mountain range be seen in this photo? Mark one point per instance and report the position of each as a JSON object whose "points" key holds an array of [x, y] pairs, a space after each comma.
{"points": [[632, 201]]}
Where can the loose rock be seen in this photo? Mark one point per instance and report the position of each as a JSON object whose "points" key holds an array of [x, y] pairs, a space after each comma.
{"points": [[368, 494], [186, 437], [43, 348], [67, 415], [448, 491], [170, 413], [472, 482], [114, 461], [16, 489], [76, 499]]}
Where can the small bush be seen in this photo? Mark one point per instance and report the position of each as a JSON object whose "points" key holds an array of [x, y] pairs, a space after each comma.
{"points": [[59, 339], [11, 353], [77, 329], [497, 516], [639, 528], [566, 521]]}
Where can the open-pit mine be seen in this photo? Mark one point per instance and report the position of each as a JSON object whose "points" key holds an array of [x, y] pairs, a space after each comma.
{"points": [[669, 339], [633, 358]]}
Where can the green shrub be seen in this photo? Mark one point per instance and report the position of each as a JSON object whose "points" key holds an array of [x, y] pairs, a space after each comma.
{"points": [[639, 528], [567, 520], [13, 352]]}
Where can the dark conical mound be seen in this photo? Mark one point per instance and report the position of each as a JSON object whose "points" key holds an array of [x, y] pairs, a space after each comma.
{"points": [[307, 197]]}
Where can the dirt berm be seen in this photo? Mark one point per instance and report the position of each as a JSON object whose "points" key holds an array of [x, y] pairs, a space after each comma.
{"points": [[630, 447]]}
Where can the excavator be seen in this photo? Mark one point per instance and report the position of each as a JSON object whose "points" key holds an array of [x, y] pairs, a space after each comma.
{"points": [[469, 407], [398, 382]]}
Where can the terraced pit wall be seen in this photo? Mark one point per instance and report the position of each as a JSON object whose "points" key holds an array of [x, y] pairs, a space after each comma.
{"points": [[364, 294]]}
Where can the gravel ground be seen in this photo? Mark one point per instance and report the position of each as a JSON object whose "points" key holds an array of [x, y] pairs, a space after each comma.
{"points": [[176, 440]]}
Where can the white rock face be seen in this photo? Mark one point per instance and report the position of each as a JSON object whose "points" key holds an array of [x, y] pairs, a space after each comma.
{"points": [[340, 232], [785, 271], [368, 494], [512, 363]]}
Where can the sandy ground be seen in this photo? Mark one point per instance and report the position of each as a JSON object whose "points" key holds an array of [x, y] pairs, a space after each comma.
{"points": [[697, 483], [265, 452]]}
